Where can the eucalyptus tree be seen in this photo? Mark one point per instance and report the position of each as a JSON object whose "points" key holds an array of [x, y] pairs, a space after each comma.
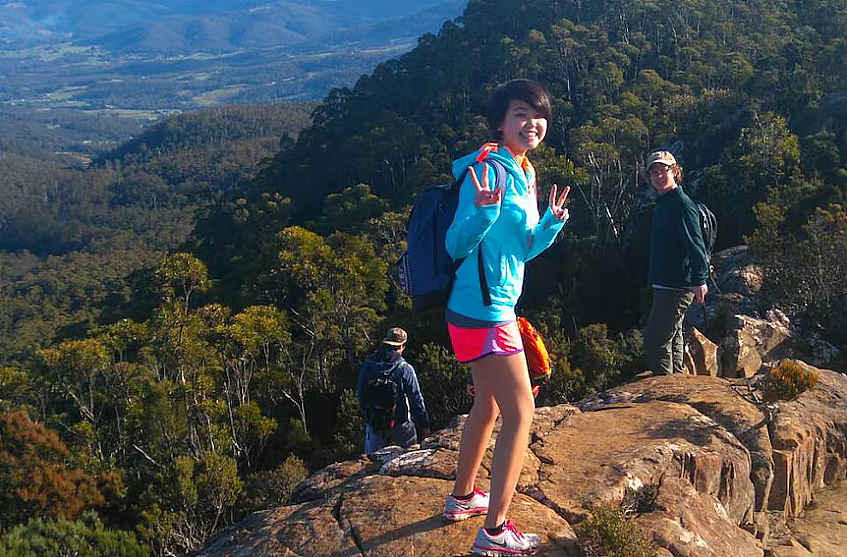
{"points": [[332, 290], [253, 347]]}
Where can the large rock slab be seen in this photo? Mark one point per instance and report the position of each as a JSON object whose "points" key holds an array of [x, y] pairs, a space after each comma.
{"points": [[290, 531], [730, 403], [694, 524], [380, 516], [598, 455], [822, 530], [335, 475], [725, 468]]}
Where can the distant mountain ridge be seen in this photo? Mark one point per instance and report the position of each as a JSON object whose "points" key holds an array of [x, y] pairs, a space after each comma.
{"points": [[183, 26], [270, 25], [154, 55]]}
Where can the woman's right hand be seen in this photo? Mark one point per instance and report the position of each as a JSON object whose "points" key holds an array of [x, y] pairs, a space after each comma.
{"points": [[484, 196]]}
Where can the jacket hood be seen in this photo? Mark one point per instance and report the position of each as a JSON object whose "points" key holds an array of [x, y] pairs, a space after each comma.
{"points": [[487, 151]]}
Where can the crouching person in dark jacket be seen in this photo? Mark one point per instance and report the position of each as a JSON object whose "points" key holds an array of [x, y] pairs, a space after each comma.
{"points": [[390, 396]]}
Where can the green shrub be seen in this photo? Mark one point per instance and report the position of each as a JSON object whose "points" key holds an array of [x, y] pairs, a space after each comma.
{"points": [[596, 360], [84, 537], [608, 533], [443, 383], [349, 430], [564, 385], [804, 264], [640, 500], [272, 488], [787, 381]]}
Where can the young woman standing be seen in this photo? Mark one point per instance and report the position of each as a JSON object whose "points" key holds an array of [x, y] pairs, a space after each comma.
{"points": [[503, 223]]}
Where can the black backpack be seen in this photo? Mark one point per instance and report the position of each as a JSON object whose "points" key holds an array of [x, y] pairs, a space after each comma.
{"points": [[379, 399], [709, 228]]}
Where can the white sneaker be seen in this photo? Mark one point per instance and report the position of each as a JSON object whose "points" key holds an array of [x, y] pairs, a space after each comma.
{"points": [[507, 543], [455, 510]]}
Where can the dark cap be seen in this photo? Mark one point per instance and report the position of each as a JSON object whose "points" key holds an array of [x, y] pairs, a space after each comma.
{"points": [[395, 337]]}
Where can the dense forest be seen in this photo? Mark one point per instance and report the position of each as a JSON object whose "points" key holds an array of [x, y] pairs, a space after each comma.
{"points": [[184, 317], [78, 220]]}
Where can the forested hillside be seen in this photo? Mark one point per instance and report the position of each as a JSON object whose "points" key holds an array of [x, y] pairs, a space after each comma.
{"points": [[71, 236], [226, 371]]}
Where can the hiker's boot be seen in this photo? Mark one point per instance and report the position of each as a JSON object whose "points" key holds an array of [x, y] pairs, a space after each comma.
{"points": [[510, 541], [456, 509]]}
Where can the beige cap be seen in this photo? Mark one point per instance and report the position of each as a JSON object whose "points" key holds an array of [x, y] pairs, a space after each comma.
{"points": [[395, 337], [664, 157]]}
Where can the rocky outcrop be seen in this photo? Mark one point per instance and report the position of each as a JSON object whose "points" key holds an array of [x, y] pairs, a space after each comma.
{"points": [[809, 445], [721, 465], [723, 471], [820, 532], [735, 334], [702, 356]]}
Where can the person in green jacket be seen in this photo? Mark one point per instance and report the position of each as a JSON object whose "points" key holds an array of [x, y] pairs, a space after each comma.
{"points": [[678, 268]]}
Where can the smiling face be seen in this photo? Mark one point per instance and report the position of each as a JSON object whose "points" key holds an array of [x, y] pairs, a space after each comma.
{"points": [[662, 177], [523, 127]]}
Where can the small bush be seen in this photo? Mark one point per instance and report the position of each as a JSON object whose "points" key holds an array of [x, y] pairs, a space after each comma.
{"points": [[787, 381], [272, 488], [443, 384], [85, 537], [608, 533], [640, 500], [594, 361], [349, 429]]}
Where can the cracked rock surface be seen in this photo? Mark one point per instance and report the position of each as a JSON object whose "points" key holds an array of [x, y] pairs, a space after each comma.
{"points": [[725, 472]]}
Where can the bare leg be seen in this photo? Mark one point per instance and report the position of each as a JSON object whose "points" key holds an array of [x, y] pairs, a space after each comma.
{"points": [[475, 435], [505, 381]]}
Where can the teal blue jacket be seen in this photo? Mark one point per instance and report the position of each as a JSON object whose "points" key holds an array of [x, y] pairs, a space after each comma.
{"points": [[678, 257], [509, 235]]}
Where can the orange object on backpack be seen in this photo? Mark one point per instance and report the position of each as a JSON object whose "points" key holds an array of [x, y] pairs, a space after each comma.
{"points": [[537, 357]]}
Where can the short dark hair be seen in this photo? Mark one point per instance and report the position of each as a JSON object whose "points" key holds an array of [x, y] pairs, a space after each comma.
{"points": [[524, 90]]}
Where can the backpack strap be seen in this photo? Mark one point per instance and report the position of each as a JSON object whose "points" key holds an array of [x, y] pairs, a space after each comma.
{"points": [[499, 182]]}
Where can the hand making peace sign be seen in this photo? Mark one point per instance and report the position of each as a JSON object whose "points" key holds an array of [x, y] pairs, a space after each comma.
{"points": [[484, 196], [557, 205]]}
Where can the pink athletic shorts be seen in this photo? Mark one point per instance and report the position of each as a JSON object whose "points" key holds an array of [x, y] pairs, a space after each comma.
{"points": [[472, 344]]}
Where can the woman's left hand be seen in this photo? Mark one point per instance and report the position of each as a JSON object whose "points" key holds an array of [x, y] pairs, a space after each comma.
{"points": [[557, 204]]}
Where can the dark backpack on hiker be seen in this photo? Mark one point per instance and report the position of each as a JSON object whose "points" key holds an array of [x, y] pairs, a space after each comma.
{"points": [[426, 269], [379, 399], [709, 228]]}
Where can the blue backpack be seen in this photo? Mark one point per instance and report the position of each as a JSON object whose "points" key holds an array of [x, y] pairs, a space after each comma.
{"points": [[426, 269]]}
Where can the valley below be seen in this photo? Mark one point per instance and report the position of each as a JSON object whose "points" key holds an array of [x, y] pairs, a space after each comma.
{"points": [[195, 57]]}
